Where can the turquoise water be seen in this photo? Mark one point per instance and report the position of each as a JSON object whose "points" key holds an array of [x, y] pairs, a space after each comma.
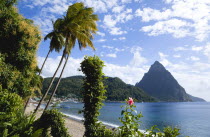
{"points": [[191, 117]]}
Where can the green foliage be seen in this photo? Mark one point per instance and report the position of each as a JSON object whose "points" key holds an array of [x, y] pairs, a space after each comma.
{"points": [[10, 103], [68, 87], [57, 39], [93, 93], [130, 120], [19, 40], [103, 131], [52, 123], [171, 132], [116, 89], [13, 122]]}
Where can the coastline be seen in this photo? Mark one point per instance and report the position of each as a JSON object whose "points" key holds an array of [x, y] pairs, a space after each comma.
{"points": [[75, 127], [73, 123]]}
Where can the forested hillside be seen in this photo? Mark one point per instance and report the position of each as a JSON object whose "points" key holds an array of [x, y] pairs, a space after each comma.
{"points": [[117, 90]]}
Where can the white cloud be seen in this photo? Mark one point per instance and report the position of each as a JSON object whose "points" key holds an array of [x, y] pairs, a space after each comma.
{"points": [[193, 58], [197, 48], [111, 55], [128, 73], [124, 16], [207, 51], [56, 9], [138, 60], [197, 86], [122, 38], [111, 21], [139, 1], [149, 14], [163, 59], [126, 1], [117, 31], [108, 47], [108, 21], [188, 12], [51, 65], [101, 34], [175, 27], [44, 23], [118, 9], [101, 40], [180, 48], [119, 50], [99, 5]]}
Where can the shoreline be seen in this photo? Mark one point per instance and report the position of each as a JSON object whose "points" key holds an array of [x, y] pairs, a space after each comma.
{"points": [[73, 123], [75, 127]]}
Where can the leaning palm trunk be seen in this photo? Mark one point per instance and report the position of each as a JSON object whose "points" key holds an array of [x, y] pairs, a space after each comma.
{"points": [[28, 100], [44, 62], [57, 84], [50, 85], [39, 75]]}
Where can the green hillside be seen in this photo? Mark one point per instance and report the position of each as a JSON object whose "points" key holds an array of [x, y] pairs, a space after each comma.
{"points": [[117, 90]]}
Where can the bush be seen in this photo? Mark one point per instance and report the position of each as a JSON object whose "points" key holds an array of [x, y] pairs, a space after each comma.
{"points": [[131, 119], [13, 122], [10, 104], [52, 123], [93, 94]]}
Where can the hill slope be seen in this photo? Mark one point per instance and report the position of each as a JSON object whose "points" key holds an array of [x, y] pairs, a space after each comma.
{"points": [[117, 90], [196, 99]]}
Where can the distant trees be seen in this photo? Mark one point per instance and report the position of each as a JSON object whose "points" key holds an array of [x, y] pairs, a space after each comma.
{"points": [[117, 90]]}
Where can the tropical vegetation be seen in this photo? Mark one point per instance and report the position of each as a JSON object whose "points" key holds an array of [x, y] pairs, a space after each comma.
{"points": [[79, 24], [117, 90], [20, 79]]}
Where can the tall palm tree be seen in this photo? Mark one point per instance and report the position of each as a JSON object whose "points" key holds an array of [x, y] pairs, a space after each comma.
{"points": [[57, 43], [80, 24]]}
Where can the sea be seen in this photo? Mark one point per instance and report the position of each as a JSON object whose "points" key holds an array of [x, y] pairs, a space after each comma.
{"points": [[193, 118]]}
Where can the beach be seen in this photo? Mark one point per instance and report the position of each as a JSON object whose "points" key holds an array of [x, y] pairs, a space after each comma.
{"points": [[75, 127]]}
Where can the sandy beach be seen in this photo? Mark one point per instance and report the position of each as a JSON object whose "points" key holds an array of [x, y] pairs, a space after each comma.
{"points": [[75, 128]]}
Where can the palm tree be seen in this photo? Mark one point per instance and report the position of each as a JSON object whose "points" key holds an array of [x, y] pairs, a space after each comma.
{"points": [[80, 24], [57, 42]]}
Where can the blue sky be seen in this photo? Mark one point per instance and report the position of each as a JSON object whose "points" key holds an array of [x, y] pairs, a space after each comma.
{"points": [[133, 34]]}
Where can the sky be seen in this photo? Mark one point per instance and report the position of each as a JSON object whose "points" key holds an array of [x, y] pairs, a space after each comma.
{"points": [[132, 35]]}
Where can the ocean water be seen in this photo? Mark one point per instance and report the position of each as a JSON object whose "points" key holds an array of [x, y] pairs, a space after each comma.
{"points": [[191, 117]]}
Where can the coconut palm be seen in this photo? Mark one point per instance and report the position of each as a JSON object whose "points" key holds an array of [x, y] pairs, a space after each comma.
{"points": [[57, 42], [80, 24]]}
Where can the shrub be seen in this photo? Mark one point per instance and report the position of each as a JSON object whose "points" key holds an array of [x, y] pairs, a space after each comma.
{"points": [[52, 123], [93, 94], [10, 103], [131, 119]]}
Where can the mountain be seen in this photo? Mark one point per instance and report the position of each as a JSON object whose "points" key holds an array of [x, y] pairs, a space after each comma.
{"points": [[159, 83], [117, 90], [196, 99]]}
